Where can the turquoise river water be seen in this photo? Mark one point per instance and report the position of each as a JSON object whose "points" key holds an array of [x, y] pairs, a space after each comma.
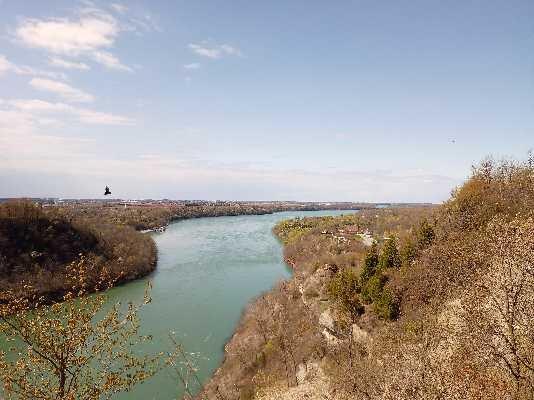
{"points": [[208, 270]]}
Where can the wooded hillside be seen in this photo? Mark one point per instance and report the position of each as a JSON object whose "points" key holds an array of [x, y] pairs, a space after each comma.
{"points": [[37, 246], [440, 306]]}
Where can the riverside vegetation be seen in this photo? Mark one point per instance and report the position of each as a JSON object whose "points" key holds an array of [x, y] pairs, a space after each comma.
{"points": [[37, 245], [440, 306]]}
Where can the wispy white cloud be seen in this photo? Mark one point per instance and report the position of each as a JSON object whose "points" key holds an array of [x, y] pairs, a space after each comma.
{"points": [[135, 18], [101, 118], [70, 37], [8, 66], [61, 89], [110, 61], [204, 49], [61, 63], [230, 50], [36, 108], [36, 105], [91, 33], [192, 66]]}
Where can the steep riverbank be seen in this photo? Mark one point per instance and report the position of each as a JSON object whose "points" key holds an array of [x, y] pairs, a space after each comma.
{"points": [[441, 306], [279, 347]]}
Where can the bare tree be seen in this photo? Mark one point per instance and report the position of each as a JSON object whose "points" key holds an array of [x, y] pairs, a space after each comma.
{"points": [[501, 310]]}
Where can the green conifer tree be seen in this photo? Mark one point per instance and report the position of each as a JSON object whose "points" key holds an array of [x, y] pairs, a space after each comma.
{"points": [[389, 256]]}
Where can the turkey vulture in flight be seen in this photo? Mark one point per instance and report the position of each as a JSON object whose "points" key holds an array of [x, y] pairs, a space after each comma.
{"points": [[107, 191]]}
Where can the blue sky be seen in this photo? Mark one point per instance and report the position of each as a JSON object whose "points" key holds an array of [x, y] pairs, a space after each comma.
{"points": [[250, 100]]}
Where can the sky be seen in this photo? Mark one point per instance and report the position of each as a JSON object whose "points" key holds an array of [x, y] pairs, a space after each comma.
{"points": [[378, 101]]}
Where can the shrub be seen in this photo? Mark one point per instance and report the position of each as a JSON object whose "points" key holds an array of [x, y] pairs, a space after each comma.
{"points": [[292, 230], [344, 289], [370, 264], [372, 290], [389, 256], [386, 305], [425, 234]]}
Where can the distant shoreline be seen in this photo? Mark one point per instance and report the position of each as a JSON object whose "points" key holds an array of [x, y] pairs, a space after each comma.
{"points": [[150, 215]]}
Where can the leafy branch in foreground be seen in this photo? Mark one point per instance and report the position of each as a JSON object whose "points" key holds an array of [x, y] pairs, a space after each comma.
{"points": [[74, 349]]}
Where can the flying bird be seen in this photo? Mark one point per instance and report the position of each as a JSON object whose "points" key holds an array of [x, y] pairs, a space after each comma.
{"points": [[106, 192]]}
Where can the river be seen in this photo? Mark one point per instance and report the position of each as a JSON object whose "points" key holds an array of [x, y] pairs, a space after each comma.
{"points": [[208, 270]]}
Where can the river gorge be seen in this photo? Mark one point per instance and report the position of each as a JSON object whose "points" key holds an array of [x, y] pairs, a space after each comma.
{"points": [[208, 270]]}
